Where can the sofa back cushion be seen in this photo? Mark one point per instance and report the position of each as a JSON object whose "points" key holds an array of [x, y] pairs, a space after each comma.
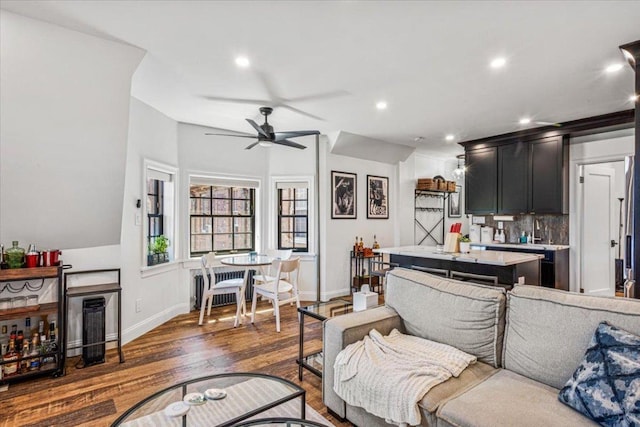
{"points": [[548, 330], [467, 316]]}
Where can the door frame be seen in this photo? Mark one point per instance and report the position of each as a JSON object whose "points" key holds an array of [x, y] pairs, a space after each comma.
{"points": [[599, 168], [575, 217]]}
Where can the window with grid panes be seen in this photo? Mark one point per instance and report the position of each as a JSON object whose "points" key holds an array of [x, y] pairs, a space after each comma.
{"points": [[155, 211], [222, 219], [293, 219]]}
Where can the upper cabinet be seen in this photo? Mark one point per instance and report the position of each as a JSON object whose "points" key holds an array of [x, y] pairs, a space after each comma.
{"points": [[513, 160], [517, 177], [480, 180], [548, 176]]}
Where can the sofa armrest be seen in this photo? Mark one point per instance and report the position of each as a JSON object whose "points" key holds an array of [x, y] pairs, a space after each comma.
{"points": [[339, 332]]}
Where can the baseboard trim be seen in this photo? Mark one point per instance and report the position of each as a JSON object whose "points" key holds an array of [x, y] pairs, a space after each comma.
{"points": [[140, 328]]}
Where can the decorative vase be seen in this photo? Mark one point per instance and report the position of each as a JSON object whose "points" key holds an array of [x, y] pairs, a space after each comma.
{"points": [[15, 256]]}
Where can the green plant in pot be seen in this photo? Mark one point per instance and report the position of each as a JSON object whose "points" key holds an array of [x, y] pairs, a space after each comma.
{"points": [[158, 250], [465, 243]]}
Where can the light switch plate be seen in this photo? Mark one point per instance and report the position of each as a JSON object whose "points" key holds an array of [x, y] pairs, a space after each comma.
{"points": [[138, 219]]}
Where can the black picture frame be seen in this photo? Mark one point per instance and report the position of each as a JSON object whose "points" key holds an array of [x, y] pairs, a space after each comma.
{"points": [[377, 197], [454, 203], [344, 191]]}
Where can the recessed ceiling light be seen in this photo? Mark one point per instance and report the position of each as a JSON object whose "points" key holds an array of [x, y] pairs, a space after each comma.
{"points": [[449, 137], [498, 62], [614, 67], [525, 121], [242, 61], [381, 105], [418, 138]]}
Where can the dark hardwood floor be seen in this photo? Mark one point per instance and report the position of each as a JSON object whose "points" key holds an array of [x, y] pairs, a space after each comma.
{"points": [[175, 351]]}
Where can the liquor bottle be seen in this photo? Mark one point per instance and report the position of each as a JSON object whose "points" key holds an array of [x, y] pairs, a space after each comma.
{"points": [[14, 332], [24, 361], [376, 245], [19, 339], [34, 362], [355, 246], [11, 360], [52, 331], [361, 245]]}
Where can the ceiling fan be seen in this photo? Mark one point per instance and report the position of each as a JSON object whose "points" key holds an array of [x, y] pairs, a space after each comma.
{"points": [[266, 136]]}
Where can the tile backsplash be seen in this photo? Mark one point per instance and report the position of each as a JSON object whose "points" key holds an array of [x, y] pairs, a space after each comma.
{"points": [[553, 227]]}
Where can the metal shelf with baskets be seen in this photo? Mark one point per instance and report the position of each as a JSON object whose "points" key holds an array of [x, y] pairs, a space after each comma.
{"points": [[429, 215], [50, 355]]}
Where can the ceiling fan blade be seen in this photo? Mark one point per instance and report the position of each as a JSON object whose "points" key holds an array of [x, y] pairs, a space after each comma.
{"points": [[258, 128], [250, 146], [549, 124], [304, 113], [268, 86], [237, 100], [281, 136], [319, 96], [228, 134], [290, 144]]}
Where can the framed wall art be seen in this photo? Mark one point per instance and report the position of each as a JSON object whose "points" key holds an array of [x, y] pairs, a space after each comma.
{"points": [[343, 195], [454, 203], [377, 197]]}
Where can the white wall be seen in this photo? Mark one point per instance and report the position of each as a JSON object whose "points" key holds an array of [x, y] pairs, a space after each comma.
{"points": [[420, 165], [162, 295], [64, 106], [338, 235]]}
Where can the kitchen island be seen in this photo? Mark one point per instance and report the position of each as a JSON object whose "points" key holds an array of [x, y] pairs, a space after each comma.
{"points": [[508, 267]]}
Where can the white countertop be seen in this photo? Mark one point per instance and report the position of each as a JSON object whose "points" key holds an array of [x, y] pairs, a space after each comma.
{"points": [[475, 256], [523, 246]]}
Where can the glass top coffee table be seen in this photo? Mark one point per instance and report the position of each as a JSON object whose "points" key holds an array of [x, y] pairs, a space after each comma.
{"points": [[320, 311], [218, 400]]}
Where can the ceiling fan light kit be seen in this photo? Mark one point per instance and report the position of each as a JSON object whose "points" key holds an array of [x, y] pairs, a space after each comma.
{"points": [[267, 137]]}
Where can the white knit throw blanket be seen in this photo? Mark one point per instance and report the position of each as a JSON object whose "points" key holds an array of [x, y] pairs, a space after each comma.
{"points": [[389, 375]]}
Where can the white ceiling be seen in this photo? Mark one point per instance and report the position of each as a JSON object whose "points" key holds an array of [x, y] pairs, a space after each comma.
{"points": [[428, 60]]}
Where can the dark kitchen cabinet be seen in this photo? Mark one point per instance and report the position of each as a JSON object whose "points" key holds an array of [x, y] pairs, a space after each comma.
{"points": [[481, 179], [513, 168], [517, 177], [548, 176]]}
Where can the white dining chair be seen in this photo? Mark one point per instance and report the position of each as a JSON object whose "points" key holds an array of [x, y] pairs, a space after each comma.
{"points": [[277, 290], [282, 254], [223, 287]]}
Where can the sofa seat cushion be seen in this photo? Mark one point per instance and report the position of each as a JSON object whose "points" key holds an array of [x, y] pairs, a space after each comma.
{"points": [[470, 377], [509, 399], [438, 395]]}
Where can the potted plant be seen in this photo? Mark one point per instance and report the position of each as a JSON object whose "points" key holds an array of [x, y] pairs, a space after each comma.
{"points": [[158, 251], [465, 244]]}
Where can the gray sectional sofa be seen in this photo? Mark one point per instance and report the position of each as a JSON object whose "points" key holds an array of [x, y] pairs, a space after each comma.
{"points": [[528, 342]]}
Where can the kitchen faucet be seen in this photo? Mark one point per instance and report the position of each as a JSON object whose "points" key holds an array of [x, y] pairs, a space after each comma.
{"points": [[535, 227]]}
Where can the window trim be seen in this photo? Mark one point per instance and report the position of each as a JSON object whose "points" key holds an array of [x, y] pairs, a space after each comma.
{"points": [[151, 170], [204, 178], [309, 180], [279, 231]]}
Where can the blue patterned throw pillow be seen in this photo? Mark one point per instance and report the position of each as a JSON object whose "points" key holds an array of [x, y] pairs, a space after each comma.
{"points": [[606, 385]]}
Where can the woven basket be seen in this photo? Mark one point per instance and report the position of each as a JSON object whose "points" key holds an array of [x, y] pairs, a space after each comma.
{"points": [[451, 186]]}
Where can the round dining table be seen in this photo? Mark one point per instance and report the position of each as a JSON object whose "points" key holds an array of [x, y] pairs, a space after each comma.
{"points": [[249, 262]]}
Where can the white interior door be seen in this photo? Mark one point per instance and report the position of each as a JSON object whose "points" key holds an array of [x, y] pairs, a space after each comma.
{"points": [[598, 229]]}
